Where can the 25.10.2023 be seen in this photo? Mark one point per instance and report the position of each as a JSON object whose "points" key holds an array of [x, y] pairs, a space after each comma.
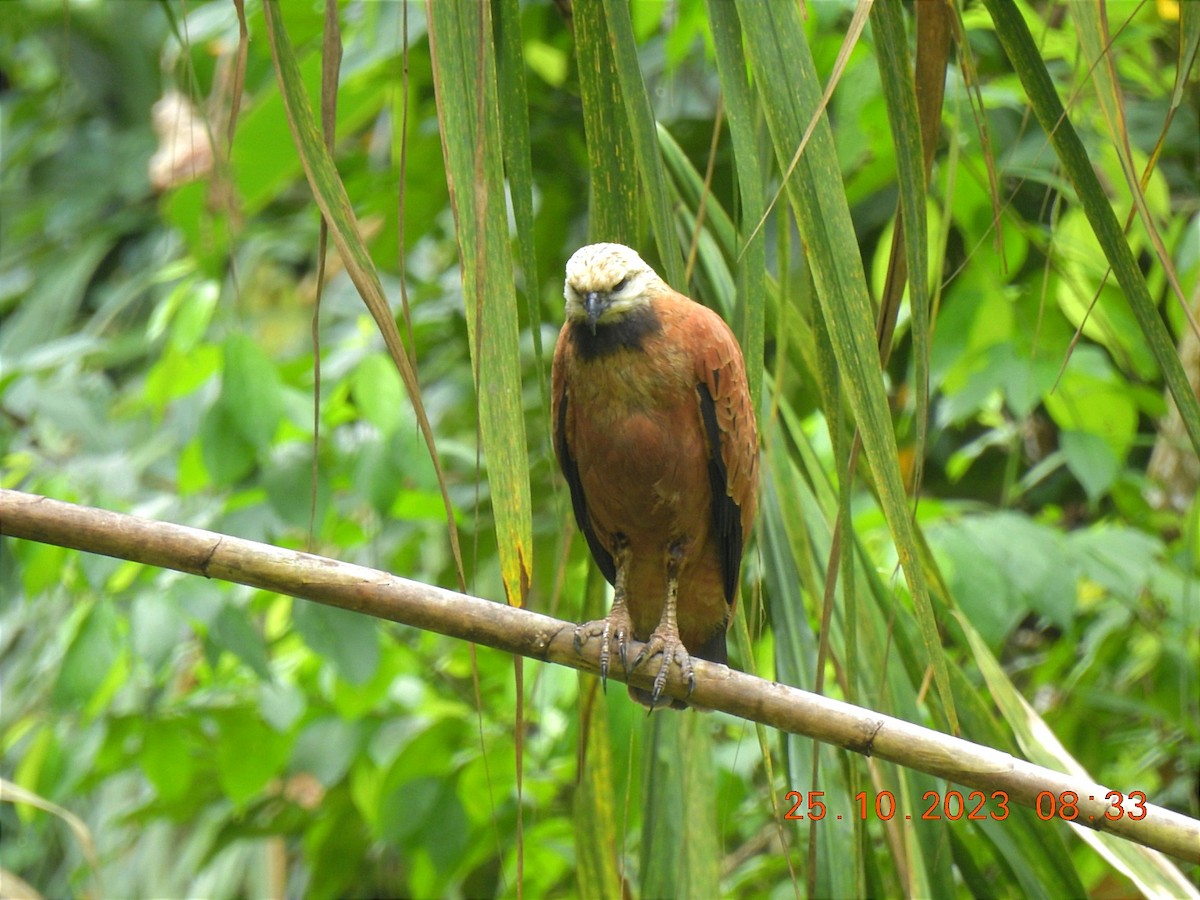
{"points": [[953, 806]]}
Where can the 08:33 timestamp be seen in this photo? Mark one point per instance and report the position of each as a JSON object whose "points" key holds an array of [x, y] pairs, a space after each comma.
{"points": [[973, 807]]}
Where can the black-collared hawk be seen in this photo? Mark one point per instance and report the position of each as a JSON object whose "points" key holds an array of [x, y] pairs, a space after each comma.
{"points": [[655, 433]]}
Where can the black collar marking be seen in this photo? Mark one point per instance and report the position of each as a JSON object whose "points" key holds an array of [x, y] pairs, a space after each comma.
{"points": [[627, 333]]}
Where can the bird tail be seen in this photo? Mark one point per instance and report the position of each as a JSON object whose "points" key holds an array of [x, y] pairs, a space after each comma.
{"points": [[642, 696]]}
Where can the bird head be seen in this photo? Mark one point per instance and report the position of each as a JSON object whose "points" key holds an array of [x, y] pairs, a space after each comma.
{"points": [[605, 283]]}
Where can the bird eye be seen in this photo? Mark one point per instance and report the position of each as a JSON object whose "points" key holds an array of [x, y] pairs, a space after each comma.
{"points": [[620, 285]]}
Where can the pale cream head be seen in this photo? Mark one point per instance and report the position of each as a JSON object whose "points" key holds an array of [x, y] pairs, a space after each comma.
{"points": [[606, 282]]}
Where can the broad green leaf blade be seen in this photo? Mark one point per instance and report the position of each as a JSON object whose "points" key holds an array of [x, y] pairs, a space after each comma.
{"points": [[680, 850], [465, 81], [854, 31], [899, 90], [594, 809], [518, 166], [788, 87], [613, 197], [741, 109], [640, 117]]}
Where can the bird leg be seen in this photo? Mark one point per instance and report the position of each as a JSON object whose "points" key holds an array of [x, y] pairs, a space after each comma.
{"points": [[617, 625], [665, 638]]}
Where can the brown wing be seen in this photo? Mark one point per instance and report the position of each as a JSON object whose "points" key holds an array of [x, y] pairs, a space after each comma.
{"points": [[562, 417], [732, 433]]}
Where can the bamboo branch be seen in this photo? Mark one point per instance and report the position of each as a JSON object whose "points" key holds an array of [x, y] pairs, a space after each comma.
{"points": [[513, 630]]}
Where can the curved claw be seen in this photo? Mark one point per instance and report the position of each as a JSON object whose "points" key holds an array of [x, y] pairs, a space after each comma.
{"points": [[670, 647], [616, 627]]}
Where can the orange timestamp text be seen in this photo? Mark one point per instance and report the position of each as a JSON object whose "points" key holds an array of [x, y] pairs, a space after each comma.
{"points": [[973, 807], [953, 806]]}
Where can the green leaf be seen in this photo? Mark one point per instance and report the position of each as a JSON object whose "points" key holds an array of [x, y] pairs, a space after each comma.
{"points": [[281, 703], [900, 92], [980, 587], [228, 456], [740, 107], [1097, 403], [325, 748], [43, 567], [251, 391], [155, 628], [1092, 460], [426, 814], [90, 656], [197, 305], [48, 309], [513, 98], [176, 374], [168, 757], [348, 640], [1120, 559], [288, 480], [1001, 566], [233, 631], [249, 753], [378, 393]]}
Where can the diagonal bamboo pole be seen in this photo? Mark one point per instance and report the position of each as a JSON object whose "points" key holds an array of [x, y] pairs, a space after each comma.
{"points": [[531, 634]]}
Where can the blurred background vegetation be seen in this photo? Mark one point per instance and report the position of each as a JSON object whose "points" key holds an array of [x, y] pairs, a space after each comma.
{"points": [[158, 278]]}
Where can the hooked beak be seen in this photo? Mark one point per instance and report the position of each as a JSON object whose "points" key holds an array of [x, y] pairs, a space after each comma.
{"points": [[594, 304]]}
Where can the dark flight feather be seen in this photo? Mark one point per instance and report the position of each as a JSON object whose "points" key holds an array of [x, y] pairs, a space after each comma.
{"points": [[727, 516], [570, 470]]}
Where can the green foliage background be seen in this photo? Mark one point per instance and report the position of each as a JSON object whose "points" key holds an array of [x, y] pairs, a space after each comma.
{"points": [[156, 357]]}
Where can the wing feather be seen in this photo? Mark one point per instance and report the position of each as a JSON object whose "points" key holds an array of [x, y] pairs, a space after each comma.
{"points": [[729, 425]]}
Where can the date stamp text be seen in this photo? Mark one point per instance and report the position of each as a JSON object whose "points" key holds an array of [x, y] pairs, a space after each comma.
{"points": [[975, 806]]}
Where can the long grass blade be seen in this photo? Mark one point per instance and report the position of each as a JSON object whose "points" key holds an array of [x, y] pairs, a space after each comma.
{"points": [[1092, 26], [613, 197], [1018, 44], [334, 203], [776, 46], [465, 80], [640, 116], [752, 255], [912, 164]]}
